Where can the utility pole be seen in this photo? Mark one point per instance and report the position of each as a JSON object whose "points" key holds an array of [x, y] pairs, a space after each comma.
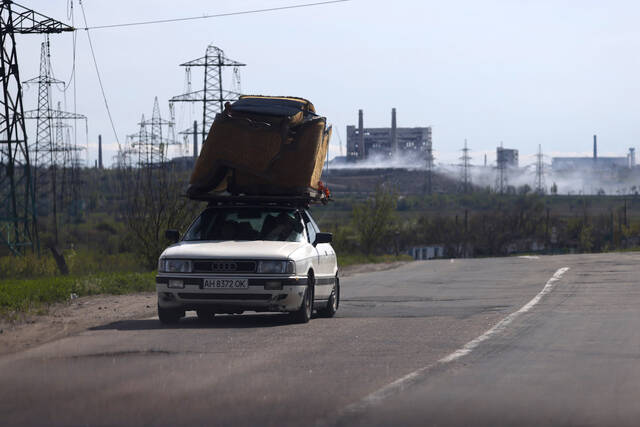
{"points": [[100, 165], [465, 169], [17, 200], [394, 134], [195, 139], [212, 96]]}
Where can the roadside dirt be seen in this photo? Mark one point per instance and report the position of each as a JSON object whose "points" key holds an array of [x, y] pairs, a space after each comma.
{"points": [[79, 314]]}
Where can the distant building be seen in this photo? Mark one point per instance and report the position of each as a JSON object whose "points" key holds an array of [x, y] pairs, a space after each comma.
{"points": [[507, 157], [363, 143], [594, 163], [586, 163], [427, 252]]}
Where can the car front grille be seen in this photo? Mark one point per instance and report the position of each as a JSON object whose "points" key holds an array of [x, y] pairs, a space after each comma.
{"points": [[231, 297], [224, 266]]}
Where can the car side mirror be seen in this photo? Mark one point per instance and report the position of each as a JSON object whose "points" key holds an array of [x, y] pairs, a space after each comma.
{"points": [[323, 238], [172, 235]]}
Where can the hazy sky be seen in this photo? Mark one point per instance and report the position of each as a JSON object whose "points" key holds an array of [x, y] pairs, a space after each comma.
{"points": [[522, 72]]}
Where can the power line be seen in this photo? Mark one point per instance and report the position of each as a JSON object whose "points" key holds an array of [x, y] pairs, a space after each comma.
{"points": [[217, 15], [95, 63]]}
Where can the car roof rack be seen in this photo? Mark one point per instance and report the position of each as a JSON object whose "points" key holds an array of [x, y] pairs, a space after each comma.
{"points": [[295, 200]]}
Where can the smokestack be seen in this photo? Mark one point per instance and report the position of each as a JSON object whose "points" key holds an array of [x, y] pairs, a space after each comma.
{"points": [[360, 135], [195, 139], [595, 147], [485, 160], [632, 157], [100, 151], [394, 138]]}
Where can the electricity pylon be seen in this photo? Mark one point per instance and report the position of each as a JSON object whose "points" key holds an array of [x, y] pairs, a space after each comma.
{"points": [[150, 144], [48, 154], [17, 201], [465, 169], [212, 96]]}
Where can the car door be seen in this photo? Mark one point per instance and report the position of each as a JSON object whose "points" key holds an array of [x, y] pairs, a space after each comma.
{"points": [[324, 273]]}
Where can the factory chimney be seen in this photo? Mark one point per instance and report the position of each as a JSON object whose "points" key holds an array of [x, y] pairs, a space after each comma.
{"points": [[100, 152], [632, 157], [394, 137], [595, 147], [195, 139], [360, 135]]}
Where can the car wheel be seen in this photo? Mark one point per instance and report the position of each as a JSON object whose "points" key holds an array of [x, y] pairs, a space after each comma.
{"points": [[169, 316], [303, 315], [334, 301], [205, 315]]}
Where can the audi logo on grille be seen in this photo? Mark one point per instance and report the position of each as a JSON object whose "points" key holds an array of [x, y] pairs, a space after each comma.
{"points": [[224, 266]]}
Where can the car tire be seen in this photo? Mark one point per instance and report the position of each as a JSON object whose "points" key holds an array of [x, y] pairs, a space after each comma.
{"points": [[169, 316], [303, 315], [205, 315], [334, 301]]}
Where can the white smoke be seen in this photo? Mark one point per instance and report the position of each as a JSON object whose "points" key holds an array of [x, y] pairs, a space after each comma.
{"points": [[614, 181], [400, 161]]}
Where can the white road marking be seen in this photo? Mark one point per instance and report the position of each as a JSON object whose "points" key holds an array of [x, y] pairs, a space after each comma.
{"points": [[404, 382], [529, 257]]}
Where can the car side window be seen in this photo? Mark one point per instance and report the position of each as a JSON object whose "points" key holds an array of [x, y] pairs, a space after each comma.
{"points": [[311, 231]]}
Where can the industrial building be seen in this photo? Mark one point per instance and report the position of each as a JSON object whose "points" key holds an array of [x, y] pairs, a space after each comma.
{"points": [[507, 157], [595, 162], [363, 143]]}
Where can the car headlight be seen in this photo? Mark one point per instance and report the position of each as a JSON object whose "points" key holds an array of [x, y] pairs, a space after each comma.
{"points": [[275, 267], [174, 265]]}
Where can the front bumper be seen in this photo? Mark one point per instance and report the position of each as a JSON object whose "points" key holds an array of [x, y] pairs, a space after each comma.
{"points": [[255, 297]]}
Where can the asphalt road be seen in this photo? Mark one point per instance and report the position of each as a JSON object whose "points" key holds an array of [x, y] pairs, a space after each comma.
{"points": [[573, 358]]}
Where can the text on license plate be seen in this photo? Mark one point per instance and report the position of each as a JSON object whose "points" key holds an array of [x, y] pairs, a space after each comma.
{"points": [[225, 284]]}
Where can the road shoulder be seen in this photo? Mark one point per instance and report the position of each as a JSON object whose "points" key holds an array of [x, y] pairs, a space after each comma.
{"points": [[74, 316]]}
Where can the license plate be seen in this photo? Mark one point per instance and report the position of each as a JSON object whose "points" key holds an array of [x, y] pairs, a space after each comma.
{"points": [[225, 284]]}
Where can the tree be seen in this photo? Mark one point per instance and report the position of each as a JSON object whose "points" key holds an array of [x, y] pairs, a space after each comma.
{"points": [[374, 220], [586, 238], [154, 201]]}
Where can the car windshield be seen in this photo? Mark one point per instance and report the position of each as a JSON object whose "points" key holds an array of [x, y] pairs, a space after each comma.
{"points": [[250, 223]]}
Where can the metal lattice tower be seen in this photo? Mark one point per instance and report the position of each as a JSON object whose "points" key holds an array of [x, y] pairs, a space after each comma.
{"points": [[42, 151], [149, 145], [465, 169], [429, 165], [68, 159], [502, 181], [17, 202], [212, 96], [540, 184], [141, 146], [51, 155]]}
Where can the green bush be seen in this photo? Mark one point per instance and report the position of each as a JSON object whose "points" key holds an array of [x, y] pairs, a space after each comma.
{"points": [[79, 262]]}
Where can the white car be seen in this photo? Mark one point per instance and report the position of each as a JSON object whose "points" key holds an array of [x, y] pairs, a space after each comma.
{"points": [[260, 257]]}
